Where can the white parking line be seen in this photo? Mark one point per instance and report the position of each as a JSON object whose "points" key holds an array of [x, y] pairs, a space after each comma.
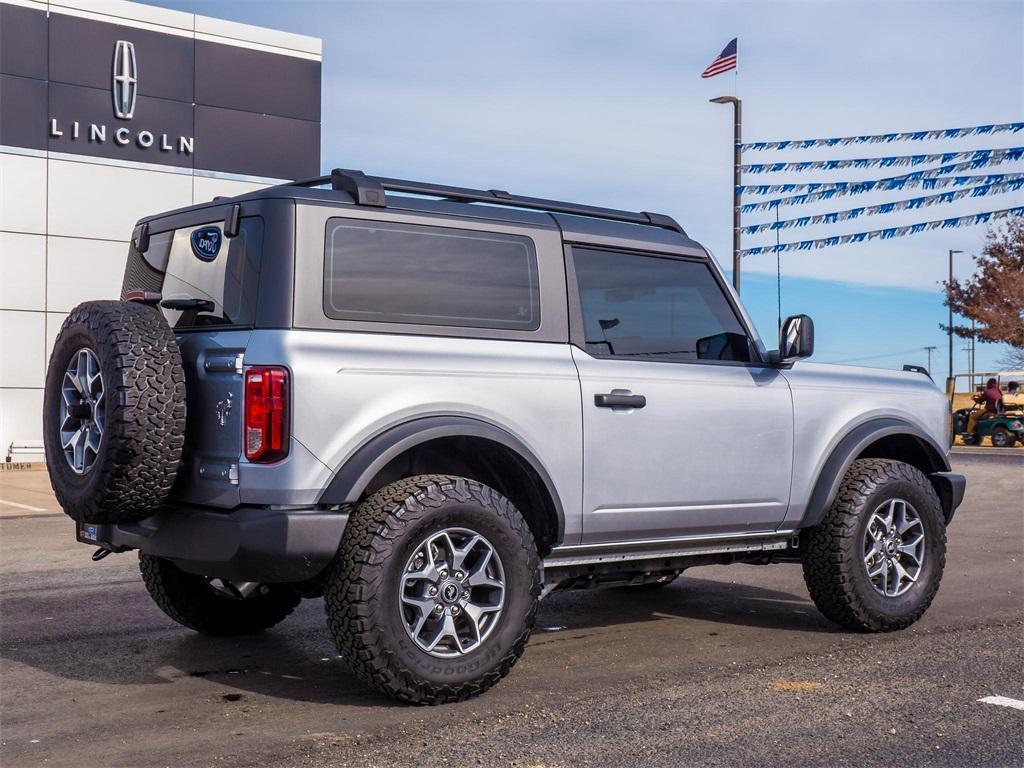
{"points": [[1003, 701], [16, 505]]}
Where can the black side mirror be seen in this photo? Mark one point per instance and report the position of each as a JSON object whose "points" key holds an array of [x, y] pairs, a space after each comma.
{"points": [[796, 339]]}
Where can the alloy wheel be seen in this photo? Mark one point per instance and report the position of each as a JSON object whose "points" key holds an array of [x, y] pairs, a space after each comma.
{"points": [[894, 545], [452, 592], [82, 411]]}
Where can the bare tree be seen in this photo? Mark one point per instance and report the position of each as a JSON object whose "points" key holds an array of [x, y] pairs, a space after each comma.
{"points": [[1013, 360], [994, 296]]}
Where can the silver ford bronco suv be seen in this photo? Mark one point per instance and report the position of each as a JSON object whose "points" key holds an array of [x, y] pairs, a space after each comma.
{"points": [[431, 406]]}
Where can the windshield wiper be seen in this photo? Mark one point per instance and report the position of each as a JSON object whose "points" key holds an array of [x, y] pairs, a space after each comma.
{"points": [[188, 304]]}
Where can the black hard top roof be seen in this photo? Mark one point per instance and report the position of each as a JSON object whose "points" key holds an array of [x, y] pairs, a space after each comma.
{"points": [[579, 223]]}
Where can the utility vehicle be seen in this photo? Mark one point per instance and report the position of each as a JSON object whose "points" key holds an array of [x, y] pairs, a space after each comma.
{"points": [[432, 406]]}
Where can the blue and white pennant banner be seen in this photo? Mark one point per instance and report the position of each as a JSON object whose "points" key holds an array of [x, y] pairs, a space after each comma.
{"points": [[815, 186], [881, 185], [888, 233], [977, 158], [885, 138], [899, 205]]}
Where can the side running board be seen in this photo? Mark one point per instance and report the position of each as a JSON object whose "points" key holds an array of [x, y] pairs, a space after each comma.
{"points": [[653, 549]]}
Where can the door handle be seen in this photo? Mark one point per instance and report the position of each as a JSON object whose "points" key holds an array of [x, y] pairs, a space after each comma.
{"points": [[619, 400]]}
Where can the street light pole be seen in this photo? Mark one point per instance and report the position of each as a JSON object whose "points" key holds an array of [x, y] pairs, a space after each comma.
{"points": [[929, 350], [974, 332], [737, 111]]}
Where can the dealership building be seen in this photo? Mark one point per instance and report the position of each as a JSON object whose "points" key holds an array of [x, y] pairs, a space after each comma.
{"points": [[110, 111]]}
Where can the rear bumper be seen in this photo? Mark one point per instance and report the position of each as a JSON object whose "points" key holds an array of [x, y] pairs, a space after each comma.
{"points": [[246, 544], [950, 487]]}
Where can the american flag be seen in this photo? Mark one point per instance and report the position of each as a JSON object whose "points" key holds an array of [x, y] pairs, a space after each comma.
{"points": [[726, 60]]}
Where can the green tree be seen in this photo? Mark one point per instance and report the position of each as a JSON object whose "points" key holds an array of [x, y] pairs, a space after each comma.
{"points": [[993, 297]]}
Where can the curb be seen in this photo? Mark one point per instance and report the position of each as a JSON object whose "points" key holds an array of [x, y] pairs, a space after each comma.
{"points": [[28, 515]]}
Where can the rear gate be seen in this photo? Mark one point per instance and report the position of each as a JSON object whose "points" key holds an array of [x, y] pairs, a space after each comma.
{"points": [[213, 433], [209, 285]]}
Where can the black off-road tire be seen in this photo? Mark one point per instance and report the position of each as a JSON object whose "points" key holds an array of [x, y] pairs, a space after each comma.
{"points": [[1002, 438], [833, 557], [144, 390], [192, 602], [362, 586]]}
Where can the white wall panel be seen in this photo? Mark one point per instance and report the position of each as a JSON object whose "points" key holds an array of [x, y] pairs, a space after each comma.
{"points": [[54, 320], [103, 201], [22, 193], [233, 31], [21, 341], [22, 271], [80, 270], [21, 417]]}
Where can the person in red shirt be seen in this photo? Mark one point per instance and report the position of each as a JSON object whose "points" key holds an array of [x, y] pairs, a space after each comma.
{"points": [[991, 400]]}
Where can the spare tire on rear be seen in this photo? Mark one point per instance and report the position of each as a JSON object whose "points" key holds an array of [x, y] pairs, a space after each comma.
{"points": [[114, 412]]}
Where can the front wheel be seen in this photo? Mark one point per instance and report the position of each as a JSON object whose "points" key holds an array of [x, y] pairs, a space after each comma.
{"points": [[875, 561], [433, 593]]}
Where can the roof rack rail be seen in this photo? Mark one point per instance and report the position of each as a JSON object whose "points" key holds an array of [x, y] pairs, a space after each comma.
{"points": [[370, 190]]}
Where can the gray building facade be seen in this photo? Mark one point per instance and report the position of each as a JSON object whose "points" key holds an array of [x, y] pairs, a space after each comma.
{"points": [[111, 110]]}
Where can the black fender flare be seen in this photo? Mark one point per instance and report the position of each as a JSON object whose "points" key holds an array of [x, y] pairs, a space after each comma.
{"points": [[850, 447], [352, 478]]}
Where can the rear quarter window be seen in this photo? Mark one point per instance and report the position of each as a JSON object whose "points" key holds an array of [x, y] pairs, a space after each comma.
{"points": [[413, 274]]}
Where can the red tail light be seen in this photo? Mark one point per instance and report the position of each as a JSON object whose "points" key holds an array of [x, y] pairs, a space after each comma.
{"points": [[266, 414]]}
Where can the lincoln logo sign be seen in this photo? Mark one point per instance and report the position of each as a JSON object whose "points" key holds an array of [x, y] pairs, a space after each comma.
{"points": [[126, 81], [124, 89]]}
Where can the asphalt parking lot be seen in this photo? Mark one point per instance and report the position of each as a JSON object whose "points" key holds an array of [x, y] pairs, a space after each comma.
{"points": [[729, 666]]}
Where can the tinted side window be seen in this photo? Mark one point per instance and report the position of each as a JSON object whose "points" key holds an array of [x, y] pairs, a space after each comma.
{"points": [[658, 308], [404, 273], [230, 279]]}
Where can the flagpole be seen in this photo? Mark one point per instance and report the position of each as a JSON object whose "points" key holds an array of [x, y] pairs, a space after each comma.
{"points": [[738, 140], [729, 59], [737, 106], [778, 270]]}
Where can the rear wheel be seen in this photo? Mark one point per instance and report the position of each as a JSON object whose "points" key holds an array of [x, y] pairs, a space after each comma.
{"points": [[875, 561], [1002, 438], [212, 606], [433, 593]]}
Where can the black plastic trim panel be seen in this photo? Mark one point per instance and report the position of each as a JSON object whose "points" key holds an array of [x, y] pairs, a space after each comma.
{"points": [[246, 544], [850, 447], [355, 475]]}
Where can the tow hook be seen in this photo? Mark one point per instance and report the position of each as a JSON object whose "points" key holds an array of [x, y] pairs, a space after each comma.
{"points": [[100, 553]]}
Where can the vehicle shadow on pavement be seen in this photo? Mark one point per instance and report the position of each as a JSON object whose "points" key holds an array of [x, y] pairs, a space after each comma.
{"points": [[138, 645], [687, 598], [295, 661]]}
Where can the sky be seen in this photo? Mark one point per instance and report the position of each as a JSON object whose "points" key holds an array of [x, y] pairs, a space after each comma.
{"points": [[602, 103]]}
